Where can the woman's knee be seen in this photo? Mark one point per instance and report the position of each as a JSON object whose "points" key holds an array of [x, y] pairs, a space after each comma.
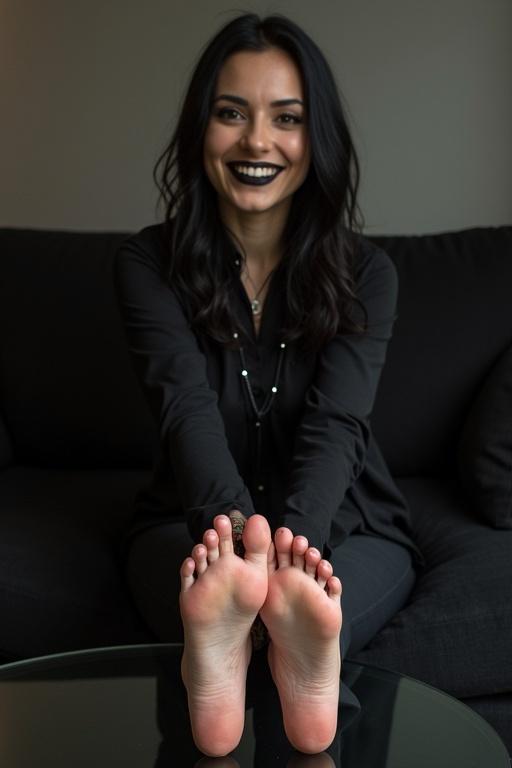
{"points": [[377, 577]]}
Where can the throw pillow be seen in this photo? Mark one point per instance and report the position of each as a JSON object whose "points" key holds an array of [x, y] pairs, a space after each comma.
{"points": [[484, 453]]}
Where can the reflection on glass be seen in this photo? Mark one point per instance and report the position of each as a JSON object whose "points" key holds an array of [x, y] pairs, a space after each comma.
{"points": [[132, 701], [264, 743], [297, 760]]}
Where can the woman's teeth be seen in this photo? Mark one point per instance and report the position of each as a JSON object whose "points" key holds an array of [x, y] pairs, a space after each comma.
{"points": [[255, 171]]}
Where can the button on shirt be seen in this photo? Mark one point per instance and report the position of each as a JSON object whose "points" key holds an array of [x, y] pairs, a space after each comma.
{"points": [[312, 464]]}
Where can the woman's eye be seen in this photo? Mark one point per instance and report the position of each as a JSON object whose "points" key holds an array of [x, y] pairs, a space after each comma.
{"points": [[293, 118], [223, 112]]}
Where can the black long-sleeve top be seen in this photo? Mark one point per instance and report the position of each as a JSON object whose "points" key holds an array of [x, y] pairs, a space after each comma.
{"points": [[311, 463]]}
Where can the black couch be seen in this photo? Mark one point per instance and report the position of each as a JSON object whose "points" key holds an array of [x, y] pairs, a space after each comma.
{"points": [[77, 441]]}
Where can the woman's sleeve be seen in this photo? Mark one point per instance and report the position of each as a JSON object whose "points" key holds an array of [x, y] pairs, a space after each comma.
{"points": [[332, 437], [172, 372]]}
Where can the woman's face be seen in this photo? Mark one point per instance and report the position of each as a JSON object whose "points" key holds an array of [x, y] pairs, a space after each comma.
{"points": [[246, 129]]}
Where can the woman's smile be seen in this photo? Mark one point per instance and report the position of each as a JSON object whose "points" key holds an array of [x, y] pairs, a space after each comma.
{"points": [[255, 175]]}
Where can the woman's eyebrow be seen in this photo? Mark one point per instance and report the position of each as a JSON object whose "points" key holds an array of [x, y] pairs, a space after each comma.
{"points": [[245, 103]]}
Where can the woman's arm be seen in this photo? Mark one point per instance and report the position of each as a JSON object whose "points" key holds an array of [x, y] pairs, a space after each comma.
{"points": [[332, 438], [171, 369]]}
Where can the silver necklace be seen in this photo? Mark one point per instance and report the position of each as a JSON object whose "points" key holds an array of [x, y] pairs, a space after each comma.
{"points": [[255, 303]]}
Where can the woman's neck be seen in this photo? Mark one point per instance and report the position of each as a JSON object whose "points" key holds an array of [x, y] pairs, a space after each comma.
{"points": [[258, 236]]}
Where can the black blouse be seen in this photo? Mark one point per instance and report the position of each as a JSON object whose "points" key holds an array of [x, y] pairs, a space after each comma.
{"points": [[311, 463]]}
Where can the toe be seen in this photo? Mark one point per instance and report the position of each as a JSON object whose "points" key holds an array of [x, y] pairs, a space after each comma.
{"points": [[334, 588], [187, 574], [299, 547], [223, 527], [312, 558], [211, 542], [257, 539], [283, 541], [199, 555], [323, 572]]}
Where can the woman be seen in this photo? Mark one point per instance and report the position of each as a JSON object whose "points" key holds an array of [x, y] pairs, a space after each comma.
{"points": [[258, 320]]}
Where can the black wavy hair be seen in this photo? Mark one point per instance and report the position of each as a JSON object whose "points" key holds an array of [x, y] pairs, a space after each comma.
{"points": [[321, 233]]}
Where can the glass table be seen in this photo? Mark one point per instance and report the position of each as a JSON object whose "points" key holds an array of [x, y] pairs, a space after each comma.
{"points": [[126, 706]]}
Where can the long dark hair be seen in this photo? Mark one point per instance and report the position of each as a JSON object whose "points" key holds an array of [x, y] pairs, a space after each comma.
{"points": [[321, 232]]}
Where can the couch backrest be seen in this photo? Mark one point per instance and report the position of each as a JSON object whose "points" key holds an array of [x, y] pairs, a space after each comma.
{"points": [[67, 391], [454, 321], [69, 397]]}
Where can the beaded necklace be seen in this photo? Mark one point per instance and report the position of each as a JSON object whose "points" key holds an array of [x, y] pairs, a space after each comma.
{"points": [[259, 413]]}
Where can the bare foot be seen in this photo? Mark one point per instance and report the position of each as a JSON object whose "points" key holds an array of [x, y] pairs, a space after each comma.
{"points": [[302, 613], [218, 609]]}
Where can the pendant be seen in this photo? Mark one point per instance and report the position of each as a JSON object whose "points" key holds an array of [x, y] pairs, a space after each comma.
{"points": [[255, 306]]}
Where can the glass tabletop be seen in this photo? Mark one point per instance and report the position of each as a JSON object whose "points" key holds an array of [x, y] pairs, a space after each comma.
{"points": [[126, 706]]}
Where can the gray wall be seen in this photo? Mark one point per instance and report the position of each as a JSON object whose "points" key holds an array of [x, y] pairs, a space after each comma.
{"points": [[89, 92]]}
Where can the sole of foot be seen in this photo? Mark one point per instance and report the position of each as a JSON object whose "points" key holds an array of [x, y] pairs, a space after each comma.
{"points": [[302, 613], [221, 595]]}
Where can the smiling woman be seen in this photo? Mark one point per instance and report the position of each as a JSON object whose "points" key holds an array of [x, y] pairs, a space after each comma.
{"points": [[258, 320], [263, 97]]}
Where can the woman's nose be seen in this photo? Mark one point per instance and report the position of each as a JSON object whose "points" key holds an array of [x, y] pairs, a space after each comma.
{"points": [[256, 135]]}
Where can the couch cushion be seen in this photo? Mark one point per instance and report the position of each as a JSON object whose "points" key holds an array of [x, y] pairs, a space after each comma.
{"points": [[485, 449], [61, 579], [455, 632], [453, 321]]}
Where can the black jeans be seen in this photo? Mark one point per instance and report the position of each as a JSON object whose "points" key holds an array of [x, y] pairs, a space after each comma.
{"points": [[377, 577]]}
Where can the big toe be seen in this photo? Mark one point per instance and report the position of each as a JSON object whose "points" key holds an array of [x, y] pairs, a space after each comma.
{"points": [[257, 538]]}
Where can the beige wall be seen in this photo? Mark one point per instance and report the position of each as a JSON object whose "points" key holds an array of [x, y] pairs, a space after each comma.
{"points": [[89, 91]]}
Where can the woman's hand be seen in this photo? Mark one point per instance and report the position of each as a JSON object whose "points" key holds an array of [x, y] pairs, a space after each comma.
{"points": [[238, 521], [259, 634]]}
